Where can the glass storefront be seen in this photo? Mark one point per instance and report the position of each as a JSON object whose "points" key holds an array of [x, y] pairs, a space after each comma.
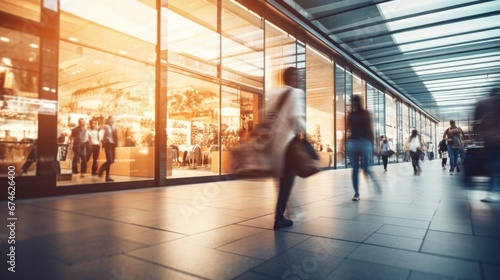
{"points": [[340, 117], [391, 124], [19, 102], [185, 82], [319, 110], [107, 68]]}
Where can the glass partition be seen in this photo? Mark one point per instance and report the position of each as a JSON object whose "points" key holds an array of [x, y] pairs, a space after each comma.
{"points": [[192, 124], [107, 68], [19, 103], [29, 9], [280, 53], [192, 40], [391, 124], [340, 117], [242, 46], [405, 115], [319, 110]]}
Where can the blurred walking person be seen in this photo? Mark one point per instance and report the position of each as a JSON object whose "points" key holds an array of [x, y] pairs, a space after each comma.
{"points": [[93, 145], [417, 147], [454, 137], [79, 139], [291, 123], [384, 151], [443, 151], [109, 143], [360, 143], [487, 125]]}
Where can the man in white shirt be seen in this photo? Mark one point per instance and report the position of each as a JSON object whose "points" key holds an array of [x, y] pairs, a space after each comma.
{"points": [[93, 145], [109, 143]]}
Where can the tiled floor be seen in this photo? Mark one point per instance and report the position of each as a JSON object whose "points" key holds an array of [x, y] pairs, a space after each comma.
{"points": [[421, 227]]}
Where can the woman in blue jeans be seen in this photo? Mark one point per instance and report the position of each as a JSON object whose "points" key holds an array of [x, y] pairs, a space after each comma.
{"points": [[455, 148], [359, 143]]}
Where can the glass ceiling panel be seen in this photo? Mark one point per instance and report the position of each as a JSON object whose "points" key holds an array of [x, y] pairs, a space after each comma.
{"points": [[484, 35], [447, 29], [452, 64], [443, 15], [465, 80], [457, 68], [444, 60], [399, 8]]}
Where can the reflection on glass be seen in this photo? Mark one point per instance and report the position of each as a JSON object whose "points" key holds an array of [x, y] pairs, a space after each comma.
{"points": [[340, 116], [19, 103], [106, 67], [192, 125], [29, 9], [319, 111], [391, 124], [242, 46]]}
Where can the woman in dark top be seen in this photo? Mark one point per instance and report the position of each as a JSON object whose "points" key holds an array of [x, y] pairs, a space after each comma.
{"points": [[359, 143]]}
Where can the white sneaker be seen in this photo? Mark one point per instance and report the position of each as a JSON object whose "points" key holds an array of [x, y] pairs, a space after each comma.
{"points": [[491, 198]]}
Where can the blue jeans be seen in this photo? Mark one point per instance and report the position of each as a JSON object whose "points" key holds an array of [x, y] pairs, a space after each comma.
{"points": [[359, 150], [494, 168], [453, 155]]}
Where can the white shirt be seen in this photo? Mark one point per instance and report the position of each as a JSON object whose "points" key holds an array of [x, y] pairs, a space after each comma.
{"points": [[93, 137], [288, 123]]}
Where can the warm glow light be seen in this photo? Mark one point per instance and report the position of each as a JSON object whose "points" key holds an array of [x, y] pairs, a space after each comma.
{"points": [[73, 39], [46, 88], [97, 61], [122, 52], [4, 39], [35, 46]]}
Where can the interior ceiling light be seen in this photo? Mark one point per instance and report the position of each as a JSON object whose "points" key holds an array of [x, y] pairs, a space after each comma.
{"points": [[73, 39], [4, 39]]}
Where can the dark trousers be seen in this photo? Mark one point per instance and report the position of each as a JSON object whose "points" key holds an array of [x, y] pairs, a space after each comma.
{"points": [[285, 187], [30, 160], [93, 150], [443, 162], [109, 151], [415, 157], [385, 159], [79, 155]]}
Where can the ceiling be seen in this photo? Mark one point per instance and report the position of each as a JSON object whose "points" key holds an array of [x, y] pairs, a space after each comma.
{"points": [[443, 55]]}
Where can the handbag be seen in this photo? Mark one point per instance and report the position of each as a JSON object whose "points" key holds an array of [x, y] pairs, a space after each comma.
{"points": [[305, 160], [252, 157], [391, 152]]}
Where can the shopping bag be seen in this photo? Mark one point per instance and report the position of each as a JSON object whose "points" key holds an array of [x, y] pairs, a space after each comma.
{"points": [[305, 160], [252, 158]]}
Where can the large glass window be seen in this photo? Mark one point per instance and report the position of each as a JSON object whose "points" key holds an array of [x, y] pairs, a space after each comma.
{"points": [[242, 46], [319, 85], [405, 115], [391, 124], [192, 124], [281, 52], [107, 68], [340, 117], [29, 9], [191, 34], [19, 103]]}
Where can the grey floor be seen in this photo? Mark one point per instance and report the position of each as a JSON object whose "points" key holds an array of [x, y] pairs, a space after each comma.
{"points": [[420, 227]]}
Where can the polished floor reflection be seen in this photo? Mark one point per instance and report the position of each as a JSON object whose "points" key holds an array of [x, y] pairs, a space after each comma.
{"points": [[421, 227]]}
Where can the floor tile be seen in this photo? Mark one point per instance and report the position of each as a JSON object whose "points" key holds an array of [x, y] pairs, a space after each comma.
{"points": [[299, 264], [352, 269], [449, 267], [337, 228], [462, 246], [264, 245], [196, 260]]}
